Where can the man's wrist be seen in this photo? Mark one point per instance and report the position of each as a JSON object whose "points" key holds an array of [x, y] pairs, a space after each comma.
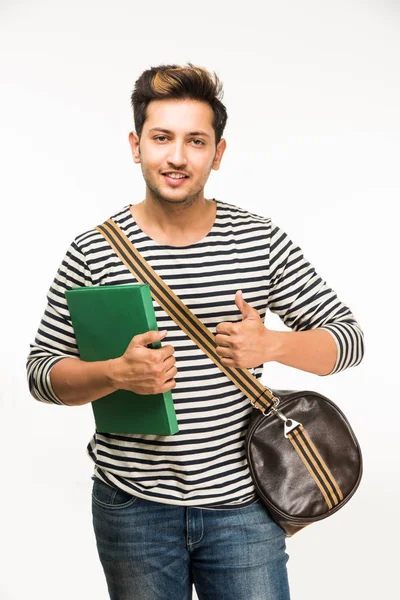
{"points": [[275, 345], [111, 367]]}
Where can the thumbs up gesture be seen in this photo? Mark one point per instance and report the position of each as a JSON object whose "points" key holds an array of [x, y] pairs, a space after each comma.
{"points": [[242, 344]]}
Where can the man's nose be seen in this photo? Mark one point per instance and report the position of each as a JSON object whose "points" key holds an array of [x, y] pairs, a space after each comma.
{"points": [[177, 154]]}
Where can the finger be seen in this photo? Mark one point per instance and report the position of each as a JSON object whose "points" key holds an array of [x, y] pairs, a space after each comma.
{"points": [[169, 362], [228, 362], [168, 385], [222, 340], [223, 351], [143, 339], [170, 374], [225, 328], [166, 351]]}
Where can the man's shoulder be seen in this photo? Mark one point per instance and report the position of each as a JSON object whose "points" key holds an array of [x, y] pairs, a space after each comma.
{"points": [[239, 212], [92, 239]]}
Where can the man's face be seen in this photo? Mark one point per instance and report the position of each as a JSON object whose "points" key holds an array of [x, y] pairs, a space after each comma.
{"points": [[177, 136]]}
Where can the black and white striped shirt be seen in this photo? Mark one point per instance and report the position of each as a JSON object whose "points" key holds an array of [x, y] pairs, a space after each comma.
{"points": [[204, 464]]}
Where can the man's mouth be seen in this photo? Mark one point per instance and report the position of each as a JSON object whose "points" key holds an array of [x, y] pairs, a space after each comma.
{"points": [[174, 180]]}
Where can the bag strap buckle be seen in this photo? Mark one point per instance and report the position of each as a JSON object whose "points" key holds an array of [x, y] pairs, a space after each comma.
{"points": [[289, 424]]}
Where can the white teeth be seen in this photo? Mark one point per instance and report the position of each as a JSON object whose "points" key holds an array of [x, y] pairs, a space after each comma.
{"points": [[175, 176]]}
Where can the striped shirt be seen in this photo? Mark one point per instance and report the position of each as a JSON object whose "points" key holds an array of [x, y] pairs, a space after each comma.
{"points": [[204, 464]]}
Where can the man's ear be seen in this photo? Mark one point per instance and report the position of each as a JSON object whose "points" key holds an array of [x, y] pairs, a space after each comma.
{"points": [[134, 144], [218, 154]]}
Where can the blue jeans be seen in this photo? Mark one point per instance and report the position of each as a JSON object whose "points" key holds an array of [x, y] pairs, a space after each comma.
{"points": [[154, 551]]}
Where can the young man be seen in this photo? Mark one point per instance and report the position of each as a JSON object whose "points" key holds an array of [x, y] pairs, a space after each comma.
{"points": [[173, 511]]}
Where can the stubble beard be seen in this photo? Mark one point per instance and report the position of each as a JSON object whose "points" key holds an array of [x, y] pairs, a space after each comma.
{"points": [[188, 200]]}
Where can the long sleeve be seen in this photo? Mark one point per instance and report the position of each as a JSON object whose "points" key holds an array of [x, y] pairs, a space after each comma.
{"points": [[212, 415], [303, 301], [55, 338]]}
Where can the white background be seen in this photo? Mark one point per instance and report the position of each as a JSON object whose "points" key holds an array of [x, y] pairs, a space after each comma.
{"points": [[313, 139]]}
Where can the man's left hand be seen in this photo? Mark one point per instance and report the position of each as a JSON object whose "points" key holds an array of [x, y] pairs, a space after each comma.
{"points": [[242, 344]]}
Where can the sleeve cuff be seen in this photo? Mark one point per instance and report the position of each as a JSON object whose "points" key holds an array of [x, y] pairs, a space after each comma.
{"points": [[44, 388], [339, 351]]}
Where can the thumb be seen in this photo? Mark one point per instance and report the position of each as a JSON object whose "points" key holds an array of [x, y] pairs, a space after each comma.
{"points": [[245, 308], [143, 339]]}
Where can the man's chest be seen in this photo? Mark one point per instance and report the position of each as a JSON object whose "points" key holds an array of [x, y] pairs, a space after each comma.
{"points": [[205, 279]]}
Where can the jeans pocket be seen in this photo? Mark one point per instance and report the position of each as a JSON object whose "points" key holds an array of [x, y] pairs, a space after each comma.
{"points": [[110, 497]]}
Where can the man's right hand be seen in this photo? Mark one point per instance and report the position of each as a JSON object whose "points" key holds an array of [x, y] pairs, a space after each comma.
{"points": [[144, 370]]}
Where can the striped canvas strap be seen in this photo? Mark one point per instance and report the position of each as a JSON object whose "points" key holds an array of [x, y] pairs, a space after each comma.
{"points": [[259, 395]]}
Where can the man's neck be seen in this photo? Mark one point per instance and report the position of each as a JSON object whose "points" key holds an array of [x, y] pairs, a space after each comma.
{"points": [[177, 215], [179, 224]]}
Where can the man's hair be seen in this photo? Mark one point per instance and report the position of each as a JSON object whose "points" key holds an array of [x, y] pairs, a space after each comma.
{"points": [[181, 82]]}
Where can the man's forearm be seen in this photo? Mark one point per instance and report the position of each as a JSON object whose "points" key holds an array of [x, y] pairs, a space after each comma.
{"points": [[313, 350], [76, 382]]}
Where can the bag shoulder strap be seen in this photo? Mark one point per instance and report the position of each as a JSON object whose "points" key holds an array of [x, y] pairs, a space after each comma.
{"points": [[260, 396]]}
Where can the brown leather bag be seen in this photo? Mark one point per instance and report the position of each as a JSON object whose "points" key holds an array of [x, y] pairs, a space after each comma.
{"points": [[303, 456]]}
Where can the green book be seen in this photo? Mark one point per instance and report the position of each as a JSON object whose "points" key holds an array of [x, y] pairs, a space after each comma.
{"points": [[105, 319]]}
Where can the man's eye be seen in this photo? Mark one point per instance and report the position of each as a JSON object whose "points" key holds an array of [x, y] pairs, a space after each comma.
{"points": [[163, 137]]}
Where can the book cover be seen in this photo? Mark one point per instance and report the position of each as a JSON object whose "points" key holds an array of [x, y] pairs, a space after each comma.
{"points": [[105, 319]]}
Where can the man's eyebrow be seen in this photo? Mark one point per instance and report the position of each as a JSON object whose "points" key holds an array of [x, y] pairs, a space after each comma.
{"points": [[169, 131]]}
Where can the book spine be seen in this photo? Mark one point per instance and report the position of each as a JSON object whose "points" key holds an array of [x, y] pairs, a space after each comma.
{"points": [[149, 313], [152, 325]]}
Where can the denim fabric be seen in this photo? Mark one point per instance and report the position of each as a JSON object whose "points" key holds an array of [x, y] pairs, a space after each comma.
{"points": [[154, 551]]}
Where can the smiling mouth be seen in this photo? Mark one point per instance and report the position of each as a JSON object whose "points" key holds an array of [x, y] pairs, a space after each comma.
{"points": [[175, 181]]}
